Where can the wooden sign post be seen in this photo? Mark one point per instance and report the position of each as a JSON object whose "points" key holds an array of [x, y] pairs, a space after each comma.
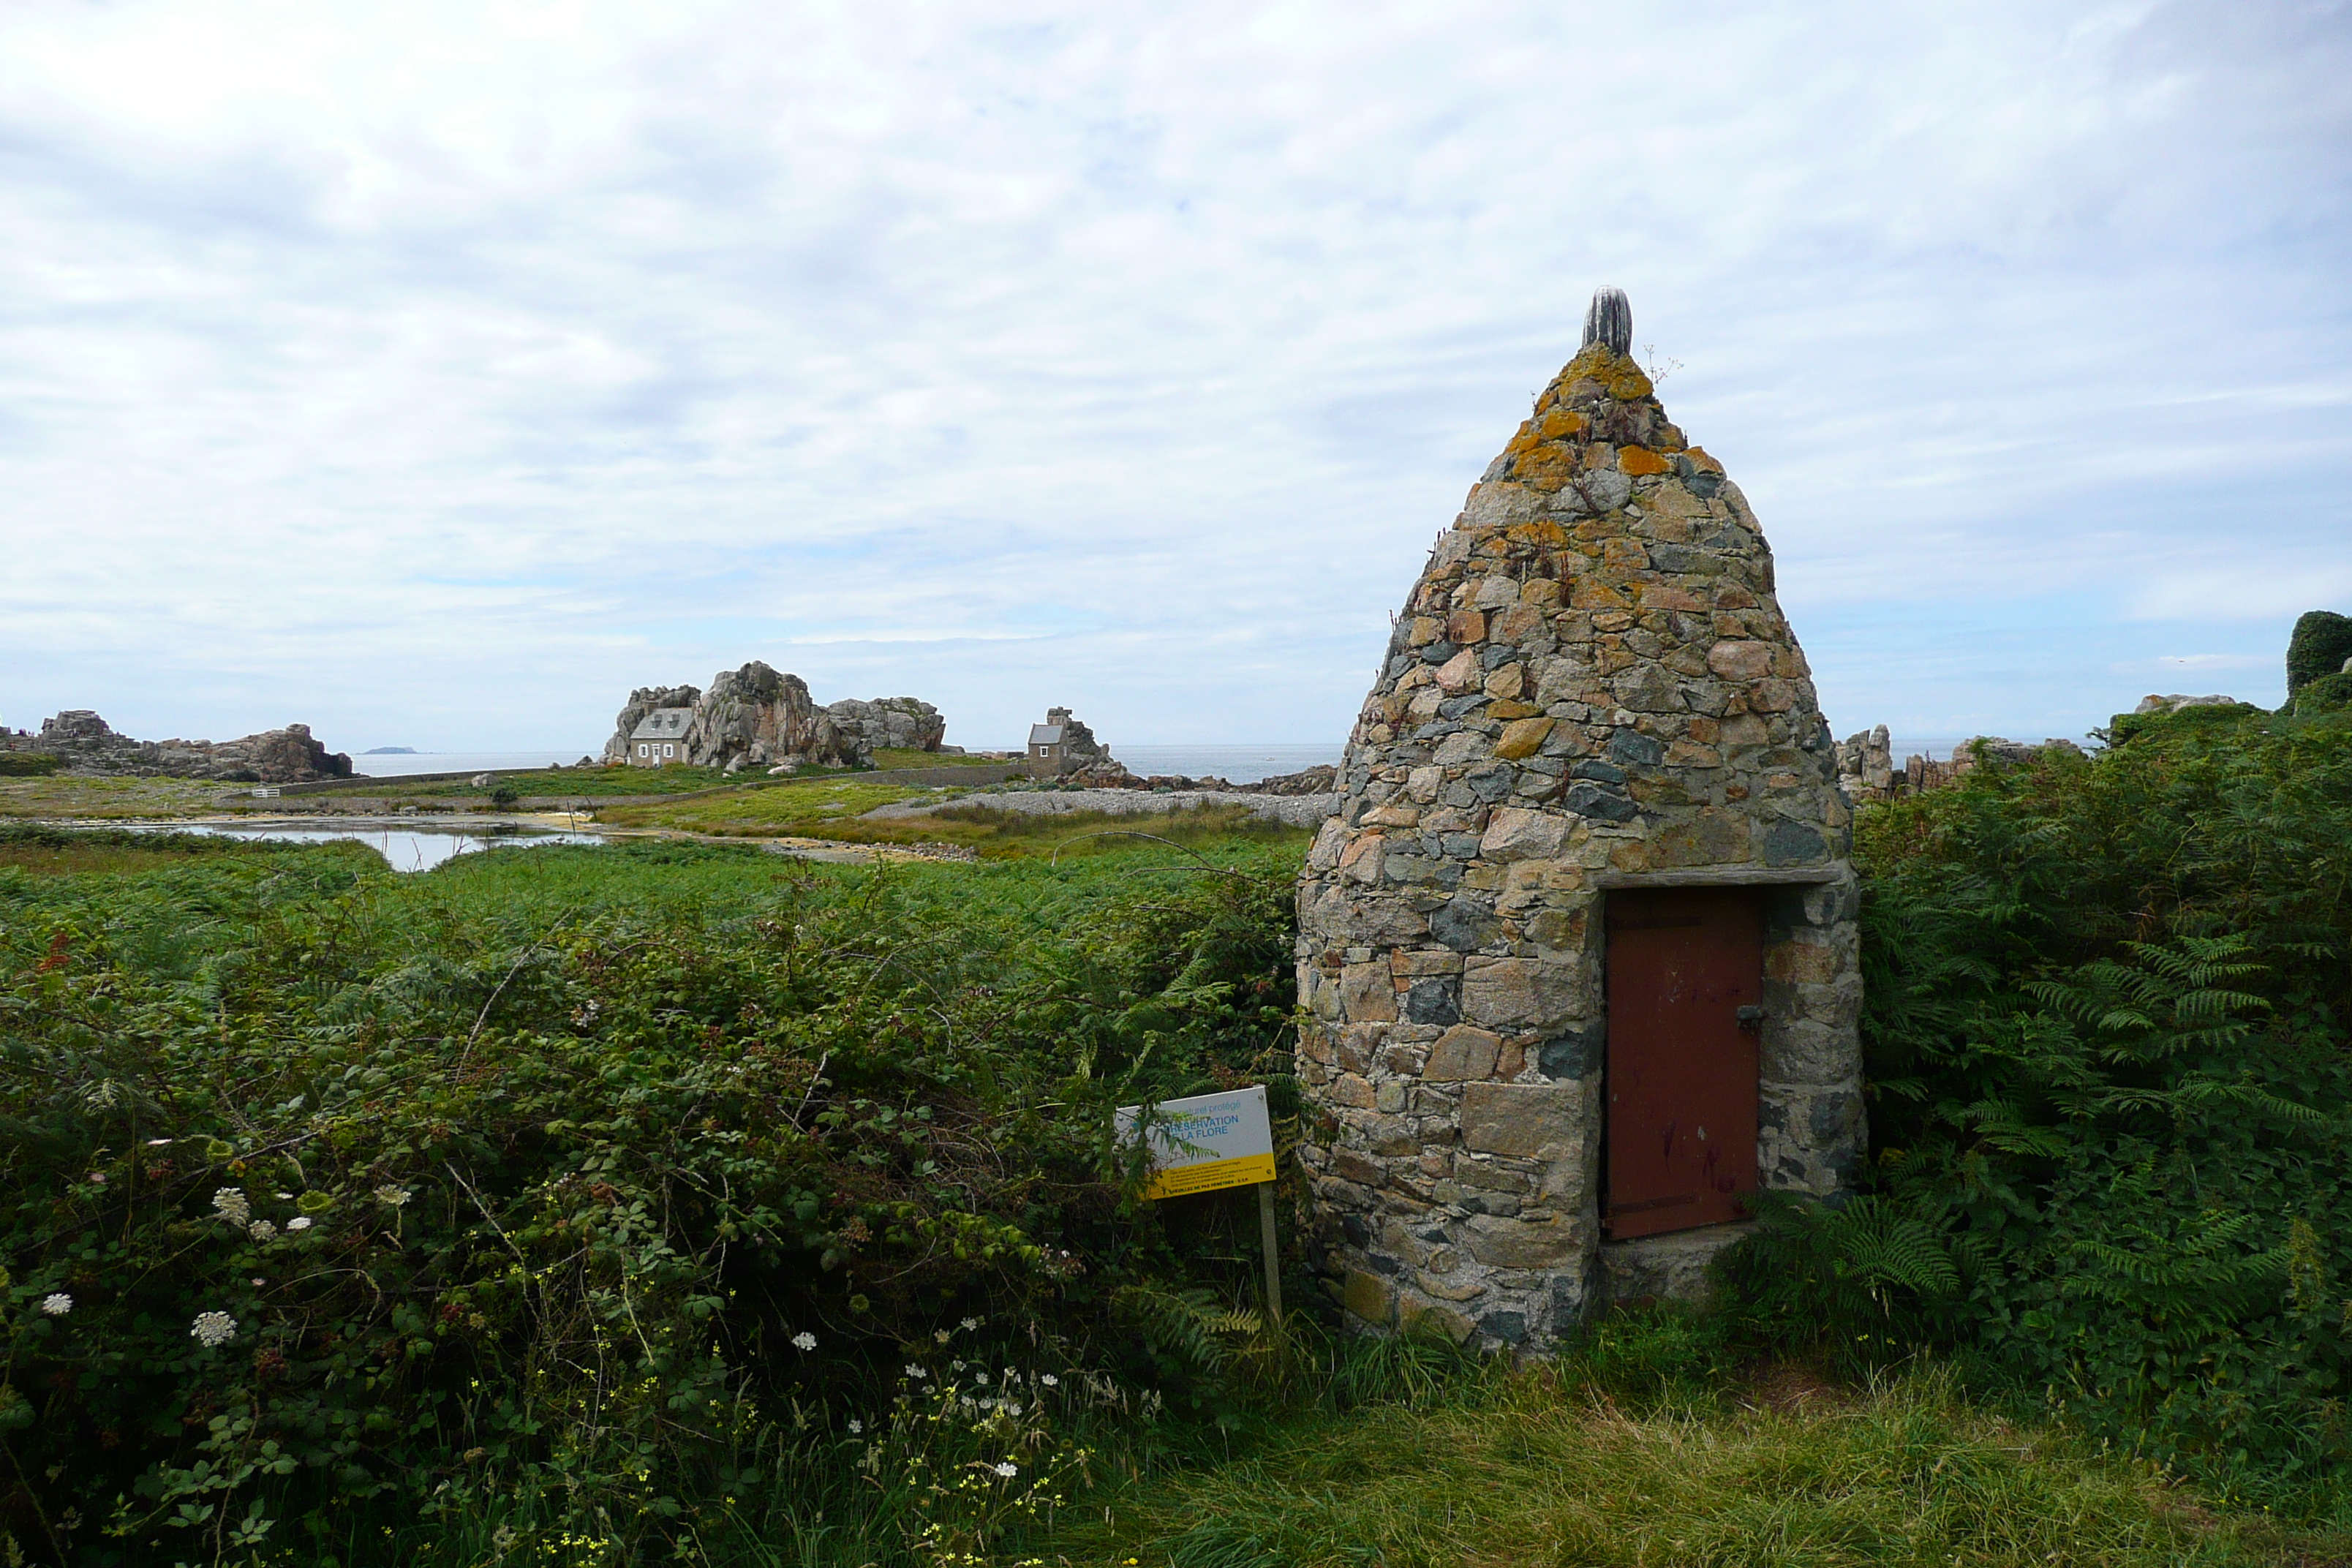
{"points": [[1208, 1143]]}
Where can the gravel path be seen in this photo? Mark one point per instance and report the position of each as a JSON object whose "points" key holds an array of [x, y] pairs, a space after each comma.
{"points": [[1296, 810]]}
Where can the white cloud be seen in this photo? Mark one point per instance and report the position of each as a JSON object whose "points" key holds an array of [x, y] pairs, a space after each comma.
{"points": [[438, 374]]}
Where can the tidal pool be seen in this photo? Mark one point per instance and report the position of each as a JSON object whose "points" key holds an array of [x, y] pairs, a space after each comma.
{"points": [[403, 848]]}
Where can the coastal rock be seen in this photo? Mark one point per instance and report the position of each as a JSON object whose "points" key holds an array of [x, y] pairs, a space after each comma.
{"points": [[887, 723], [88, 745], [760, 717], [642, 701], [1865, 760]]}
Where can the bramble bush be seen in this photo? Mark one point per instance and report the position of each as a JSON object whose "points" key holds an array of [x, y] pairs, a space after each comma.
{"points": [[2107, 1014], [564, 1206]]}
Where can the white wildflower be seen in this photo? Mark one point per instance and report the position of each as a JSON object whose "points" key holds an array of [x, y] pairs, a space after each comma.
{"points": [[916, 1369], [56, 1303], [230, 1204], [261, 1230], [942, 1335], [300, 1222], [955, 1366], [1013, 1408], [1006, 1469], [856, 1428], [970, 1324], [805, 1341], [212, 1330], [1012, 1374], [286, 1197], [981, 1378], [1049, 1380], [392, 1196]]}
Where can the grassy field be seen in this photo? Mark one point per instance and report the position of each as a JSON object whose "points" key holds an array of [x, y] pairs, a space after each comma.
{"points": [[889, 757], [114, 799], [834, 810], [1766, 1467], [681, 1203], [596, 781]]}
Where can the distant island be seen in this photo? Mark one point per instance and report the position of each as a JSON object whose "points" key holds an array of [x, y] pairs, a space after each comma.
{"points": [[389, 751]]}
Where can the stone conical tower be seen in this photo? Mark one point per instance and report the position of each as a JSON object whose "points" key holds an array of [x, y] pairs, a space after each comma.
{"points": [[1579, 949]]}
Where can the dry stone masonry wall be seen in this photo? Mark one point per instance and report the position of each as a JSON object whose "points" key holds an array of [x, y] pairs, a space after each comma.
{"points": [[1590, 685]]}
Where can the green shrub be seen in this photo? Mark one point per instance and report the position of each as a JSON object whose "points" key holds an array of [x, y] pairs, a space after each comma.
{"points": [[2105, 1015], [28, 764], [2125, 728], [2328, 694], [2321, 642], [501, 1198]]}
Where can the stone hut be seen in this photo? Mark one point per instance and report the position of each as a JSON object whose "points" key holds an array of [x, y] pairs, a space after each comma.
{"points": [[1579, 950]]}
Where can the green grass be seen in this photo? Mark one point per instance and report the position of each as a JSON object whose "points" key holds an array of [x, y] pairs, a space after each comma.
{"points": [[802, 807], [1547, 1468], [659, 1102], [833, 810], [572, 782], [115, 799], [902, 757]]}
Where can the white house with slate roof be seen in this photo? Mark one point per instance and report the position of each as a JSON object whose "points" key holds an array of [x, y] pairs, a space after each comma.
{"points": [[659, 738]]}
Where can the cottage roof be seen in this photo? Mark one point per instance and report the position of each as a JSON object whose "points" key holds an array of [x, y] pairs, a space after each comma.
{"points": [[1045, 734], [662, 724]]}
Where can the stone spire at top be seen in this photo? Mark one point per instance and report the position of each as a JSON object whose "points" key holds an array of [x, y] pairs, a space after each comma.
{"points": [[1610, 320]]}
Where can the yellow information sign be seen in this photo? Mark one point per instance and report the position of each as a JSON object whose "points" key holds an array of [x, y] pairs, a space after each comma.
{"points": [[1204, 1143]]}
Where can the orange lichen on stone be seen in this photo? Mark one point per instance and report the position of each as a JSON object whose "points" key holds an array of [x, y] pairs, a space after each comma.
{"points": [[1624, 555], [1546, 468], [1640, 461], [1700, 461], [1559, 423]]}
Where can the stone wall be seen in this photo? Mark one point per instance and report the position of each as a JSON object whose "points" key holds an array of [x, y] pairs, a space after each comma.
{"points": [[85, 743], [1590, 686]]}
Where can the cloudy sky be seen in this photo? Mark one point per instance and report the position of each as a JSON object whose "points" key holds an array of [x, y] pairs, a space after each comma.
{"points": [[436, 374]]}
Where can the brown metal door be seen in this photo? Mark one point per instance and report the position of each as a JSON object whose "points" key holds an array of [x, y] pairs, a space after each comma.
{"points": [[1682, 1059]]}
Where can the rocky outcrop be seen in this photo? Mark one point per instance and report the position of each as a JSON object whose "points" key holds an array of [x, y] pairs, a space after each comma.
{"points": [[753, 717], [86, 745], [1866, 770], [642, 701], [1865, 767], [886, 725], [2175, 702], [760, 717]]}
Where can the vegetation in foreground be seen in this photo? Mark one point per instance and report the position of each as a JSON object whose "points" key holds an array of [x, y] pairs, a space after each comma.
{"points": [[594, 1193], [663, 1202], [1641, 1447], [2108, 1017]]}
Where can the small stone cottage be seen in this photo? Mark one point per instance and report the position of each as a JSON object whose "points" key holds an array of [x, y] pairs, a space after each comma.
{"points": [[659, 738], [1579, 951]]}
